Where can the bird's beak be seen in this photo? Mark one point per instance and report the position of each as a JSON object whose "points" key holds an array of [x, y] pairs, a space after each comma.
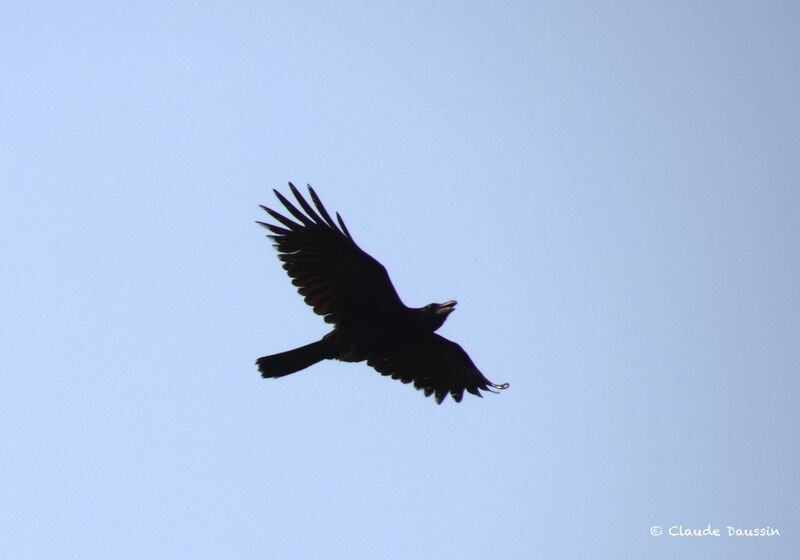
{"points": [[446, 308]]}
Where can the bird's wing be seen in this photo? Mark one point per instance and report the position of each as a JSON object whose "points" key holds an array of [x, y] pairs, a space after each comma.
{"points": [[437, 366], [335, 277]]}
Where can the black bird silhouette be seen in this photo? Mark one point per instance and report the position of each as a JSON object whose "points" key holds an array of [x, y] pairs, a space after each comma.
{"points": [[353, 292]]}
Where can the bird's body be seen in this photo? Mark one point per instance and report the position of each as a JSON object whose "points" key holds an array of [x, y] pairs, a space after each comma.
{"points": [[353, 291]]}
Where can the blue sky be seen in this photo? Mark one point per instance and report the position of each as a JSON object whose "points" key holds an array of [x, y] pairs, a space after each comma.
{"points": [[610, 191]]}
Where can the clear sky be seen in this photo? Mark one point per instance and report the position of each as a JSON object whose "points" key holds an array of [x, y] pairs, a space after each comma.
{"points": [[609, 189]]}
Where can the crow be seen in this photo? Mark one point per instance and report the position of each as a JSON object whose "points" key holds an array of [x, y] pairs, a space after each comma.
{"points": [[353, 292]]}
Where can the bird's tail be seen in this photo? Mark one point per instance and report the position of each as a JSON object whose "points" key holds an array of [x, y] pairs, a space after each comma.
{"points": [[278, 365]]}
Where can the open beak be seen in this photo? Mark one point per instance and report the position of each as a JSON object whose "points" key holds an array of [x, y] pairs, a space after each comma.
{"points": [[446, 308]]}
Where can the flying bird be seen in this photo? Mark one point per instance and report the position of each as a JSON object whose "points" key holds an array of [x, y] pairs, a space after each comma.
{"points": [[353, 292]]}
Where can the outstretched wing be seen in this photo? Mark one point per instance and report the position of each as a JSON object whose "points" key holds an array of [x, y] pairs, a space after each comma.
{"points": [[335, 277], [437, 366]]}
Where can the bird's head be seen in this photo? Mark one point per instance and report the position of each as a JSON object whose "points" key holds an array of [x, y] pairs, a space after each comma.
{"points": [[436, 313]]}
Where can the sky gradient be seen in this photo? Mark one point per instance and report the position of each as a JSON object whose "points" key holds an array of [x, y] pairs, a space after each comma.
{"points": [[610, 191]]}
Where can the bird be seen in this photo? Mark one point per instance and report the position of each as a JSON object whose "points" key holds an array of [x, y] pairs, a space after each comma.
{"points": [[352, 291]]}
